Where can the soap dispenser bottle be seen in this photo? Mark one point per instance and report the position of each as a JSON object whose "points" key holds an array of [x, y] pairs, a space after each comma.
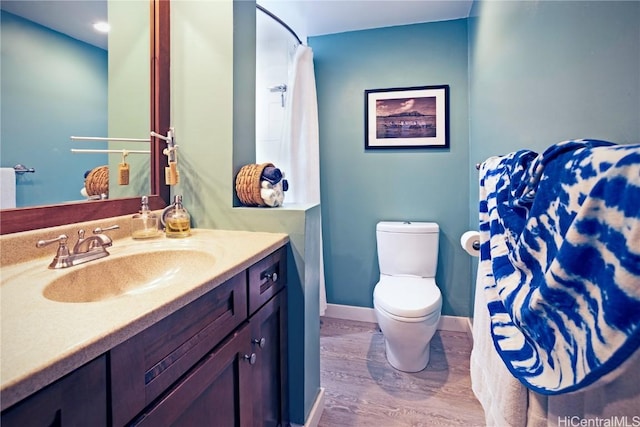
{"points": [[144, 224], [176, 219]]}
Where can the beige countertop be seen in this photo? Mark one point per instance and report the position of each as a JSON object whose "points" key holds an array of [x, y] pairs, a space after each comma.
{"points": [[43, 340]]}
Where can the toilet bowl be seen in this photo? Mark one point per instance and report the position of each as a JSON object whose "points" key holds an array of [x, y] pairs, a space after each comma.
{"points": [[406, 300], [408, 312]]}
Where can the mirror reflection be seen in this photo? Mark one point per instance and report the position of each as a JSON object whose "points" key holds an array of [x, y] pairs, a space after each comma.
{"points": [[58, 80]]}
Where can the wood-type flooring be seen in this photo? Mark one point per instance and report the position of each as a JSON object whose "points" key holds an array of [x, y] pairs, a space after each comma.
{"points": [[362, 389]]}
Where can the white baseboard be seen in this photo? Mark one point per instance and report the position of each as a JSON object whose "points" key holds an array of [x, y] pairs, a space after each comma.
{"points": [[351, 312], [366, 314], [454, 324], [316, 411]]}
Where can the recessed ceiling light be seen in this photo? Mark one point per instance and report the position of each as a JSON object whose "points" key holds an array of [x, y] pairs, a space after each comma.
{"points": [[103, 27]]}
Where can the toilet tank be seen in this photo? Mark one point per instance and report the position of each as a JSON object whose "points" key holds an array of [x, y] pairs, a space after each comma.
{"points": [[407, 248]]}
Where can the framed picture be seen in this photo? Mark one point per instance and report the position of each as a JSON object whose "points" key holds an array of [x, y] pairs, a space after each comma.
{"points": [[413, 117]]}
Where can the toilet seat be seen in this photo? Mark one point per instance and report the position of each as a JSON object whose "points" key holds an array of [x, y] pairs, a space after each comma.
{"points": [[408, 297]]}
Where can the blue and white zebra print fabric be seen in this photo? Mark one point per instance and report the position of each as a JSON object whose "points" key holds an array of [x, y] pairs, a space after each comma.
{"points": [[560, 232]]}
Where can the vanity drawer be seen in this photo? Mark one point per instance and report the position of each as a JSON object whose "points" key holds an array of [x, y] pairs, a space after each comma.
{"points": [[266, 278], [143, 367]]}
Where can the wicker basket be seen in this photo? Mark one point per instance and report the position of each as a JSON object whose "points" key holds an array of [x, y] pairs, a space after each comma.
{"points": [[97, 181], [248, 184]]}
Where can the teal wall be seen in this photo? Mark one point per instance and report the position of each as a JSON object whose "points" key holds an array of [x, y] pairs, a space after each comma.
{"points": [[361, 187], [213, 112], [52, 87], [546, 71]]}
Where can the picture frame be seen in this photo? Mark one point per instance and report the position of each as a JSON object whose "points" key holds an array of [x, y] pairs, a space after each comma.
{"points": [[411, 117]]}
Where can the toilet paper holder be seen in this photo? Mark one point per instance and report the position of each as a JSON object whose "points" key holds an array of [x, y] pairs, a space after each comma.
{"points": [[470, 242]]}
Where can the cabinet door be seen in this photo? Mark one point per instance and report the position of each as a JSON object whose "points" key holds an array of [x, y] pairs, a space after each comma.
{"points": [[78, 399], [209, 394], [269, 373]]}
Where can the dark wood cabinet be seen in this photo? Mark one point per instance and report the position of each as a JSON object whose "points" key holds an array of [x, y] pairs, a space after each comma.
{"points": [[231, 348], [213, 393], [78, 399], [242, 382], [268, 320], [145, 366]]}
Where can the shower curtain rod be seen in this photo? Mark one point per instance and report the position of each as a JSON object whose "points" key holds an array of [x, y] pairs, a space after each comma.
{"points": [[279, 21]]}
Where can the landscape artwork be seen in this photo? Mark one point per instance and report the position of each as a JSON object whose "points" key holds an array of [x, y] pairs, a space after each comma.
{"points": [[407, 117]]}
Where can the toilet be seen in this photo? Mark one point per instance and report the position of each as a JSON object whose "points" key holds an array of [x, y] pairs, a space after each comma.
{"points": [[406, 299]]}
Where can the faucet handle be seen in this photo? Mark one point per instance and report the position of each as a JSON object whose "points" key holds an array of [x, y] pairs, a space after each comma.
{"points": [[100, 230], [62, 255], [61, 238]]}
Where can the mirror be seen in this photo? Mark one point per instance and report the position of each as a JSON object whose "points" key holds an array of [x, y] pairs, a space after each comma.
{"points": [[60, 77], [14, 220]]}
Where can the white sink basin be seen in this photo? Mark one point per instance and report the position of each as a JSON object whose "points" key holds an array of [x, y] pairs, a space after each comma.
{"points": [[126, 275]]}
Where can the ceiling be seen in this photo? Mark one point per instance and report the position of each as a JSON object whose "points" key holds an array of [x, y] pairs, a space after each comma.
{"points": [[305, 17], [72, 17], [321, 17]]}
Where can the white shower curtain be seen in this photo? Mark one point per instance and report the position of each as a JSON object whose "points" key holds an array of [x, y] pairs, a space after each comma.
{"points": [[299, 156]]}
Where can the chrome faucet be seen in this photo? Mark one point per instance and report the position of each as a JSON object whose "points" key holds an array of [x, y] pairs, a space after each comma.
{"points": [[85, 250]]}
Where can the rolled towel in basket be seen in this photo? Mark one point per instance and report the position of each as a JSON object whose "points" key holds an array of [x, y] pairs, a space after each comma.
{"points": [[272, 195], [272, 174]]}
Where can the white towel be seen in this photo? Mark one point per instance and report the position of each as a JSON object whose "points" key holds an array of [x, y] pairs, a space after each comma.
{"points": [[7, 188], [502, 396]]}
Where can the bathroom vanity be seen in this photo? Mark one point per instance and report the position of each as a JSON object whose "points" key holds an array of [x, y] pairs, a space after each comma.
{"points": [[213, 349]]}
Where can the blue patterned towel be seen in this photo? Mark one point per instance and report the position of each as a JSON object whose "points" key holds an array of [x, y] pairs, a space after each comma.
{"points": [[561, 233]]}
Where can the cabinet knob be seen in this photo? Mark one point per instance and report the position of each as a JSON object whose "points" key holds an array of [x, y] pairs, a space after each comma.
{"points": [[270, 276], [261, 342], [251, 359]]}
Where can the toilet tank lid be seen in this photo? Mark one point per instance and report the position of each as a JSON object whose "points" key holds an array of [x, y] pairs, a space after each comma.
{"points": [[407, 227]]}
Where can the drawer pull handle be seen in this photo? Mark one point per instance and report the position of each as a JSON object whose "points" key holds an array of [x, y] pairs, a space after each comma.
{"points": [[261, 342], [251, 359], [269, 276]]}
